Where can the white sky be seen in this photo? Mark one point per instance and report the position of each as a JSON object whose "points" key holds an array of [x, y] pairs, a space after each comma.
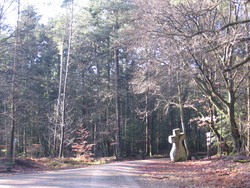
{"points": [[46, 8]]}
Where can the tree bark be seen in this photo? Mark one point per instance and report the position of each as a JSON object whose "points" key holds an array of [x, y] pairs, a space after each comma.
{"points": [[234, 129], [182, 114], [248, 112], [117, 90], [148, 147], [13, 89], [248, 83], [65, 81], [231, 109], [117, 106], [221, 140]]}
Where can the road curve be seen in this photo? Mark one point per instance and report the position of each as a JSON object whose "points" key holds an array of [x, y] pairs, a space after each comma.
{"points": [[117, 175]]}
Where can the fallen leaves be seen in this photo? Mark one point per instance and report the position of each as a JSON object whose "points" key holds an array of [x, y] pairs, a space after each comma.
{"points": [[215, 172]]}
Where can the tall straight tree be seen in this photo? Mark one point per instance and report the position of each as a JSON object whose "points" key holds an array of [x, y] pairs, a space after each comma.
{"points": [[13, 87], [117, 93], [63, 82]]}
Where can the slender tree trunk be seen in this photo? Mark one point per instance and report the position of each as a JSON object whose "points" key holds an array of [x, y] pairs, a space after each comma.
{"points": [[58, 107], [117, 93], [94, 137], [142, 143], [248, 83], [24, 141], [64, 94], [153, 134], [55, 141], [62, 141], [148, 147], [127, 112], [13, 89], [5, 138], [117, 105], [147, 128], [248, 112]]}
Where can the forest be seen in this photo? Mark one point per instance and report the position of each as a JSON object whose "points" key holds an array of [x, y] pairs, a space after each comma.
{"points": [[115, 77]]}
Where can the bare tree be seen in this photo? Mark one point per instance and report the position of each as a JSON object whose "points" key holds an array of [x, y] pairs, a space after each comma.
{"points": [[6, 6], [211, 37]]}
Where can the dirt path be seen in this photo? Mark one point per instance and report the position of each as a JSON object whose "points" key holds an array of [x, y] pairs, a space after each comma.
{"points": [[123, 174]]}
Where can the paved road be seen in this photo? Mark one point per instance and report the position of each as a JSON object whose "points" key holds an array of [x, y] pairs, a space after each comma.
{"points": [[117, 175]]}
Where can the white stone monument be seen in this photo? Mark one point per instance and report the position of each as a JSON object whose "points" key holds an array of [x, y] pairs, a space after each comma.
{"points": [[178, 152]]}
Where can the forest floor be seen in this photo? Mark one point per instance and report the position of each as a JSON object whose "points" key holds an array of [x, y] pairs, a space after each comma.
{"points": [[225, 172], [230, 171]]}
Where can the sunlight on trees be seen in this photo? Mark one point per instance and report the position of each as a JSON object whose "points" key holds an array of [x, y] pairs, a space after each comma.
{"points": [[130, 71]]}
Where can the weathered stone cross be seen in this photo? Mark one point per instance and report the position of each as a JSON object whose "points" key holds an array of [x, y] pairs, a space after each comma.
{"points": [[178, 152]]}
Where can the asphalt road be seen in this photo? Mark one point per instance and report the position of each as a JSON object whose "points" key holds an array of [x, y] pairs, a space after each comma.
{"points": [[117, 175]]}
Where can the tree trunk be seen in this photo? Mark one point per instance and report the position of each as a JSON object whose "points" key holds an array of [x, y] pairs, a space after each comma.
{"points": [[234, 129], [65, 81], [13, 89], [58, 106], [94, 137], [117, 106], [248, 112], [248, 83], [231, 111], [147, 128], [62, 141], [148, 147], [221, 140], [182, 115]]}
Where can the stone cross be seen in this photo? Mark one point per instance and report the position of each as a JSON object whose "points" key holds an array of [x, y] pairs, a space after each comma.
{"points": [[178, 152]]}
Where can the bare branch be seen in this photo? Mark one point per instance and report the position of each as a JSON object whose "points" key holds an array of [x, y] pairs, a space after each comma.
{"points": [[246, 60], [234, 23]]}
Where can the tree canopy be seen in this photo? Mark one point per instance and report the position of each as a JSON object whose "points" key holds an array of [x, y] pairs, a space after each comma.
{"points": [[124, 73]]}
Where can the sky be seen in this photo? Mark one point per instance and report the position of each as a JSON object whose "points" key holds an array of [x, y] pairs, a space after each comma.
{"points": [[46, 8]]}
